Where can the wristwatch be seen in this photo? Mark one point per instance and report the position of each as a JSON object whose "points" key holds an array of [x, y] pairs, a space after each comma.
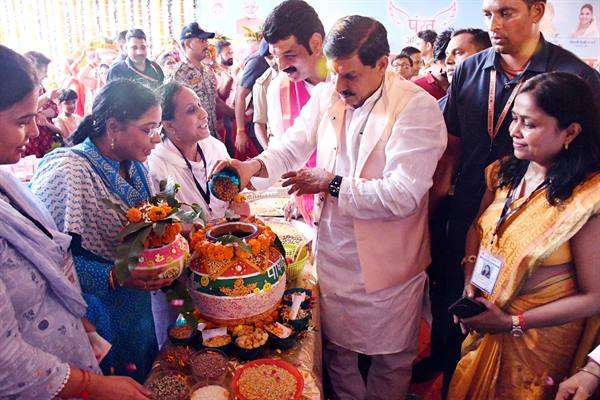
{"points": [[518, 326], [334, 186]]}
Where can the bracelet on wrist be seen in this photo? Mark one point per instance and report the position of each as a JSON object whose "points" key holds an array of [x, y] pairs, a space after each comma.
{"points": [[64, 382], [585, 369], [262, 168]]}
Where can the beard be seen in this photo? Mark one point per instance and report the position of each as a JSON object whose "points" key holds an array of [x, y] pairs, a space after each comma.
{"points": [[228, 62]]}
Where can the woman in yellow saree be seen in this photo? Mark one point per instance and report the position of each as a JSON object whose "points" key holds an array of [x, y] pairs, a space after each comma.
{"points": [[535, 263]]}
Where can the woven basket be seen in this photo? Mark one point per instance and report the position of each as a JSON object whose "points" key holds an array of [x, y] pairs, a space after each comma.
{"points": [[294, 269]]}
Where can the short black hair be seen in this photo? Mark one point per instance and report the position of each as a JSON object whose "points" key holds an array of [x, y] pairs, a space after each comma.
{"points": [[293, 17], [440, 45], [360, 35], [37, 59], [409, 50], [428, 36], [135, 33], [479, 37], [166, 93], [67, 95], [122, 99], [221, 44], [19, 78], [403, 55], [532, 2], [121, 37]]}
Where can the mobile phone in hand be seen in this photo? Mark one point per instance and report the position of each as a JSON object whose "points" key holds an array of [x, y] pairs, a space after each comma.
{"points": [[466, 307]]}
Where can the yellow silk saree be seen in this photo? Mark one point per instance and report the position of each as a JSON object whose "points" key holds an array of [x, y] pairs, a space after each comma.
{"points": [[500, 366]]}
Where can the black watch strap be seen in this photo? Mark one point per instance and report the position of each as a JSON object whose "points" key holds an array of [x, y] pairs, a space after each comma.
{"points": [[334, 186]]}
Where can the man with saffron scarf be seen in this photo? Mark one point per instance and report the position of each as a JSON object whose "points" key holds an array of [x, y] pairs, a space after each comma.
{"points": [[295, 35]]}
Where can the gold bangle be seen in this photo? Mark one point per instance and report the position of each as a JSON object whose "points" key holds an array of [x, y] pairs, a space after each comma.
{"points": [[468, 259], [262, 167], [584, 369]]}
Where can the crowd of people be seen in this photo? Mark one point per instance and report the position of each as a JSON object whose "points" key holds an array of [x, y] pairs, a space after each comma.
{"points": [[458, 180]]}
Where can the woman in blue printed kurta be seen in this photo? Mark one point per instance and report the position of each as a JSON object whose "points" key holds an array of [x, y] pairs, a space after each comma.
{"points": [[106, 163]]}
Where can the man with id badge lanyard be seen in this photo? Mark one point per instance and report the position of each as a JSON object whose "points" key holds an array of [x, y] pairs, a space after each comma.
{"points": [[483, 90], [532, 266]]}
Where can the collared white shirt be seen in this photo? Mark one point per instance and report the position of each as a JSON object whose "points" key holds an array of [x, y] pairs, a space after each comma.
{"points": [[367, 323], [384, 321]]}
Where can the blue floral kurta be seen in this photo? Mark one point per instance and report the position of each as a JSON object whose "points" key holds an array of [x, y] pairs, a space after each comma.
{"points": [[72, 183]]}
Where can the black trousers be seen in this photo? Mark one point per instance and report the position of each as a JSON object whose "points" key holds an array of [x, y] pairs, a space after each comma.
{"points": [[446, 280]]}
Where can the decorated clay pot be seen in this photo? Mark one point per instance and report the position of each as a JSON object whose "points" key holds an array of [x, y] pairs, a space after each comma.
{"points": [[166, 262], [241, 289]]}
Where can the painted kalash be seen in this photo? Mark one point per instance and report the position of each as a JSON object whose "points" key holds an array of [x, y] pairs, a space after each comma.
{"points": [[237, 272]]}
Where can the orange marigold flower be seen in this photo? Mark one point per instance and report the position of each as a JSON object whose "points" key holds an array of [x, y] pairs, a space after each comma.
{"points": [[168, 237], [240, 253], [166, 208], [178, 228], [255, 246], [134, 215], [197, 237], [239, 198], [228, 253], [156, 213]]}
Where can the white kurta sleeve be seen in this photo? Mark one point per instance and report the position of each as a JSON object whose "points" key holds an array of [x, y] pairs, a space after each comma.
{"points": [[416, 143], [595, 355], [292, 150]]}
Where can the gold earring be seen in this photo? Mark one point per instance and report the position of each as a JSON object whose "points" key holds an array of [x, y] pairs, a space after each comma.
{"points": [[566, 145], [112, 144]]}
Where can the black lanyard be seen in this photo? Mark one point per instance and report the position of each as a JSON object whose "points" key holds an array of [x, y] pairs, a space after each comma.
{"points": [[506, 210], [24, 213], [204, 193]]}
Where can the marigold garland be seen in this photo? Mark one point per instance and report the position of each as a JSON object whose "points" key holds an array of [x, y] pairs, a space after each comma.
{"points": [[217, 251]]}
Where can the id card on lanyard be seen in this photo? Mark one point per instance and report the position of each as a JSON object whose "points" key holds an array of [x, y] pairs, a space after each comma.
{"points": [[488, 264]]}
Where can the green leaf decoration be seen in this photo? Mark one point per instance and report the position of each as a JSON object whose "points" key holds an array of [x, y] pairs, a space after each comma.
{"points": [[128, 254], [131, 228], [160, 227], [137, 246], [228, 239], [122, 270], [186, 216]]}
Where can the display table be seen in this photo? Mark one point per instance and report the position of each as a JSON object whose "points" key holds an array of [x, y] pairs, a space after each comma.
{"points": [[306, 355]]}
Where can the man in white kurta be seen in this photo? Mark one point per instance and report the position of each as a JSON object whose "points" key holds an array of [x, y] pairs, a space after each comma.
{"points": [[378, 139]]}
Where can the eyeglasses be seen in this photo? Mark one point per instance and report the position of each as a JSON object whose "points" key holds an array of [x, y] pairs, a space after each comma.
{"points": [[150, 131]]}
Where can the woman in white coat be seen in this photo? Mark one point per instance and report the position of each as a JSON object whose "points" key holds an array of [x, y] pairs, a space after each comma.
{"points": [[187, 152]]}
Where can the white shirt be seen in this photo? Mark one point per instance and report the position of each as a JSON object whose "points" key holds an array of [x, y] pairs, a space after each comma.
{"points": [[166, 161], [274, 112], [595, 355], [259, 96], [385, 321], [367, 323]]}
